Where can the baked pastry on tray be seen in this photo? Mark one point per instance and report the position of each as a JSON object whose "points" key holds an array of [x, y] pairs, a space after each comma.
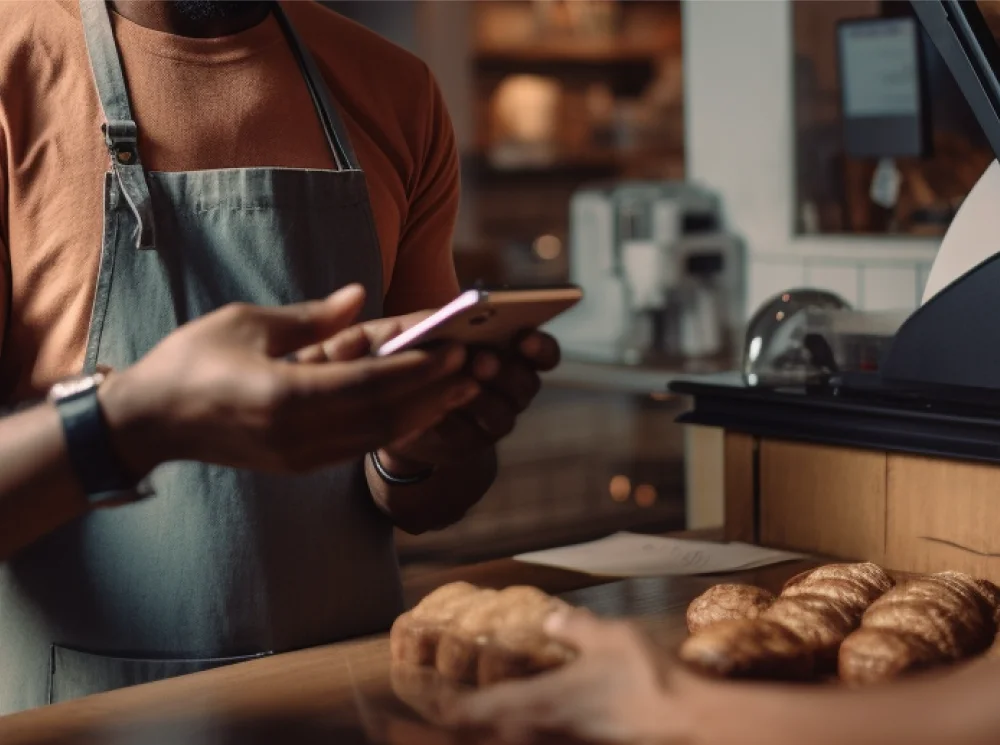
{"points": [[848, 620], [478, 636]]}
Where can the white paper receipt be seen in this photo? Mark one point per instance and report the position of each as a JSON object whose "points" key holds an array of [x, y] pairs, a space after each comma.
{"points": [[635, 555]]}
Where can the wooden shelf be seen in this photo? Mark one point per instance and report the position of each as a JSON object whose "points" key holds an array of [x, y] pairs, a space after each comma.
{"points": [[595, 160], [580, 52], [590, 161]]}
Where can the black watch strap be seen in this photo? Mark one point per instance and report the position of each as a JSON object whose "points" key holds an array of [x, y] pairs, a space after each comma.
{"points": [[88, 443]]}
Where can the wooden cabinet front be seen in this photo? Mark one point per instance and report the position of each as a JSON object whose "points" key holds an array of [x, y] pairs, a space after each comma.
{"points": [[943, 514], [909, 513], [823, 499]]}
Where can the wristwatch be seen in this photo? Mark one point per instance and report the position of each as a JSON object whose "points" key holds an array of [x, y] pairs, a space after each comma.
{"points": [[88, 441]]}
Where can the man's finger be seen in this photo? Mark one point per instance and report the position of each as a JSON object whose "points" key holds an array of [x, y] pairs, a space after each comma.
{"points": [[424, 410], [577, 627], [449, 441], [391, 378], [390, 421], [462, 429], [541, 350], [291, 327], [493, 413], [516, 381], [358, 341], [350, 344], [382, 330]]}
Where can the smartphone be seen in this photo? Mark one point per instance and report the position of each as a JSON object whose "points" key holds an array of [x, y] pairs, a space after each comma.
{"points": [[486, 318]]}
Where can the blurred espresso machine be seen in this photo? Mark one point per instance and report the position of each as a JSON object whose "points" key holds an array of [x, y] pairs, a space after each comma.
{"points": [[663, 281]]}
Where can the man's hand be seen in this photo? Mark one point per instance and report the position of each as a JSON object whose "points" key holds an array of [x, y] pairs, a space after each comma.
{"points": [[222, 389], [613, 692], [509, 381]]}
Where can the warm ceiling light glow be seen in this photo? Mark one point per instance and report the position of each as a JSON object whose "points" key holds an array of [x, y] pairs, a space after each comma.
{"points": [[620, 488], [645, 495], [547, 247]]}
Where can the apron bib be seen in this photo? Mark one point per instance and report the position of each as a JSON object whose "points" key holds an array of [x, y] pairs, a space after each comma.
{"points": [[220, 564]]}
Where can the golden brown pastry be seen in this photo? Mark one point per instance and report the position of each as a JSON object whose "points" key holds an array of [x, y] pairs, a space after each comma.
{"points": [[458, 649], [981, 591], [414, 636], [519, 646], [514, 615], [928, 621], [991, 593], [469, 635], [756, 649], [727, 603], [866, 571], [948, 614], [821, 622], [872, 655], [825, 605], [859, 584]]}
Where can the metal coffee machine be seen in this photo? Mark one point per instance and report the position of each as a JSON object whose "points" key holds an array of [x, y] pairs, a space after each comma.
{"points": [[663, 281]]}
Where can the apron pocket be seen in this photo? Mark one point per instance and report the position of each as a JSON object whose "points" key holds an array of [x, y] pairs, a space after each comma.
{"points": [[74, 674]]}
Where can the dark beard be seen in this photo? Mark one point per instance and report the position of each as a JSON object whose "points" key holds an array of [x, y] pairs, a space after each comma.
{"points": [[210, 10]]}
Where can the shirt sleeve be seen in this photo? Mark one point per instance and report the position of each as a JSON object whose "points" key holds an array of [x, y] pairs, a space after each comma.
{"points": [[424, 273]]}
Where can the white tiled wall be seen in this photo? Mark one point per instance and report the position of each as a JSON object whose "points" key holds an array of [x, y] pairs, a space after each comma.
{"points": [[768, 278], [866, 285], [889, 287], [843, 279]]}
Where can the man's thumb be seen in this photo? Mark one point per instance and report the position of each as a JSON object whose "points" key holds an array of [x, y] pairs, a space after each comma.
{"points": [[293, 327], [574, 626]]}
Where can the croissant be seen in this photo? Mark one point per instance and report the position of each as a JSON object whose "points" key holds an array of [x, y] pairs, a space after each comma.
{"points": [[727, 603], [823, 606], [749, 648], [927, 622]]}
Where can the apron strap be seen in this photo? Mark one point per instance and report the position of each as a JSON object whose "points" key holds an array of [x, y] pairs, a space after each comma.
{"points": [[120, 131], [333, 125]]}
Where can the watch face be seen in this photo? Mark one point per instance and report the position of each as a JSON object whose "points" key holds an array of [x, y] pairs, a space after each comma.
{"points": [[73, 386]]}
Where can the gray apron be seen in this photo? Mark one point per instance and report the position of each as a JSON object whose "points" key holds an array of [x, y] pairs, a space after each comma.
{"points": [[220, 564]]}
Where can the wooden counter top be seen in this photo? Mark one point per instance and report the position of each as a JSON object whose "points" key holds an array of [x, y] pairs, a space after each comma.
{"points": [[339, 693]]}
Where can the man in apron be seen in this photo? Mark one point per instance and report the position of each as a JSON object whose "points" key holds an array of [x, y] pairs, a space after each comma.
{"points": [[221, 564]]}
